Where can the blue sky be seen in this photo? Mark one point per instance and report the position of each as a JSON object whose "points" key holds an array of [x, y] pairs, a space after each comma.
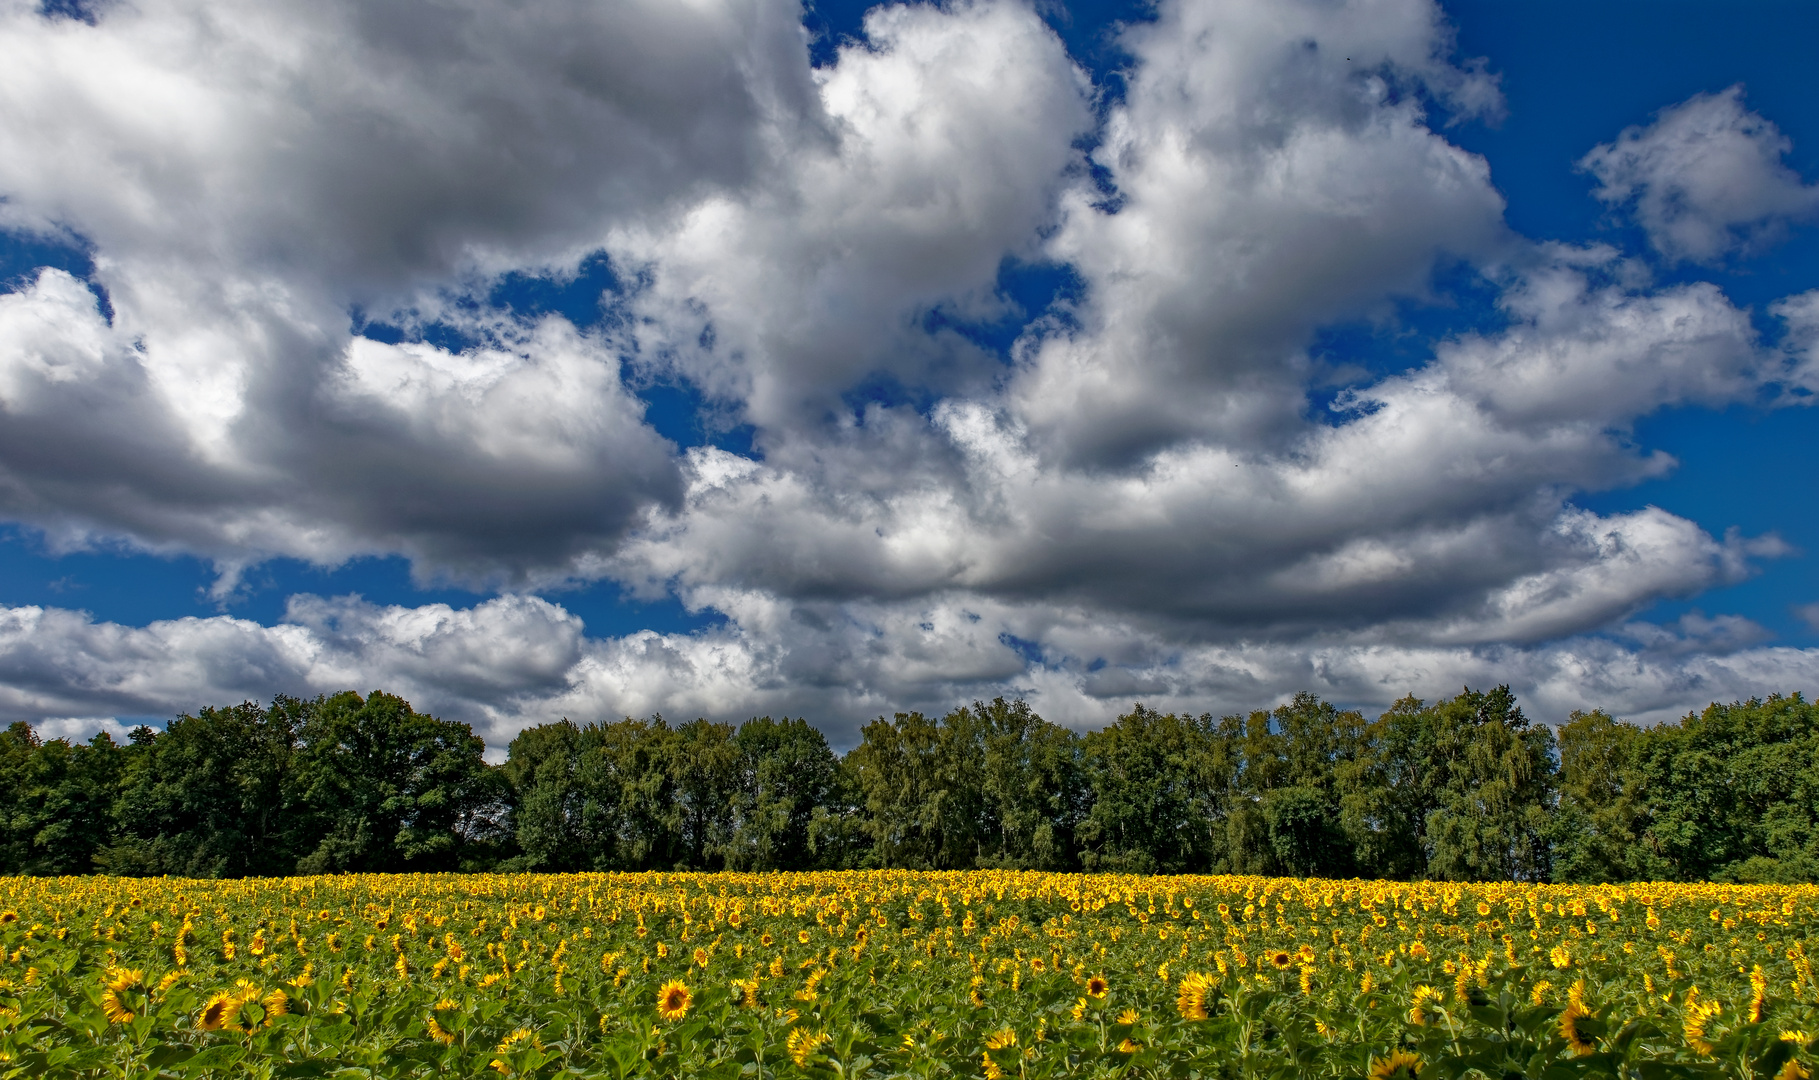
{"points": [[1572, 77]]}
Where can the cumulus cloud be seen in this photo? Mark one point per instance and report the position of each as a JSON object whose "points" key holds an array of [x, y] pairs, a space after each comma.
{"points": [[949, 133], [249, 176], [516, 660], [1142, 497], [1705, 179]]}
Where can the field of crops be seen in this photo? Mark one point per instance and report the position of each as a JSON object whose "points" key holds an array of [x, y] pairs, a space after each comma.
{"points": [[986, 974]]}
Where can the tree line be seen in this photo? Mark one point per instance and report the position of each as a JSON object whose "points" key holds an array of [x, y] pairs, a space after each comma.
{"points": [[1465, 788]]}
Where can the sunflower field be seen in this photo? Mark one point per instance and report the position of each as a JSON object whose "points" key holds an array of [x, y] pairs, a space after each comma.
{"points": [[901, 974]]}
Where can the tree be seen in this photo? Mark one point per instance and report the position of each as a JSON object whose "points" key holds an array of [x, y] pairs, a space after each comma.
{"points": [[566, 803], [785, 774], [1033, 794], [1597, 832], [212, 796], [897, 771], [1152, 810], [386, 788], [1731, 791], [60, 810], [1497, 789]]}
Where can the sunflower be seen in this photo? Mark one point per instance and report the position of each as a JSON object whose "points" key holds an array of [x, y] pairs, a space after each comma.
{"points": [[219, 1012], [1793, 1070], [1758, 994], [515, 1040], [1417, 1012], [766, 940], [747, 991], [436, 1030], [802, 936], [1280, 959], [673, 1000], [8, 916], [1190, 1002], [1400, 1063], [976, 998], [998, 1040], [802, 1044], [121, 981], [1096, 986], [1568, 1025], [1130, 1016]]}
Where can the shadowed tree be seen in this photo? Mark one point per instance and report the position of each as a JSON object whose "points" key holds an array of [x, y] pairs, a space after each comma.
{"points": [[386, 788], [212, 795]]}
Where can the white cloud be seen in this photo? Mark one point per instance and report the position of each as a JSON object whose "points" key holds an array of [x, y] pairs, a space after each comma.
{"points": [[1144, 493], [1705, 178], [247, 175], [513, 661], [948, 136]]}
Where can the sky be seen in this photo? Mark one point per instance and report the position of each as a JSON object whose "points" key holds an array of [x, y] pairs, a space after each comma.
{"points": [[738, 357]]}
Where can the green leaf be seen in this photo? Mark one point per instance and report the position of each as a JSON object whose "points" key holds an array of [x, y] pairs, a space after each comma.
{"points": [[220, 1056]]}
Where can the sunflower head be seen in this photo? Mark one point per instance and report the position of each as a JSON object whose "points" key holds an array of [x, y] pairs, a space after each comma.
{"points": [[1130, 1016], [517, 1040], [766, 940], [673, 1000], [1418, 1007], [521, 1039], [998, 1040], [700, 957], [802, 1044], [1576, 1040], [222, 1012], [1399, 1064], [1280, 959], [122, 998], [445, 1010], [1190, 1000], [1096, 986]]}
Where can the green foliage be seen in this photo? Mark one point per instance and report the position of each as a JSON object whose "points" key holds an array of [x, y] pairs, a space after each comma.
{"points": [[382, 787], [891, 975], [1466, 788]]}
